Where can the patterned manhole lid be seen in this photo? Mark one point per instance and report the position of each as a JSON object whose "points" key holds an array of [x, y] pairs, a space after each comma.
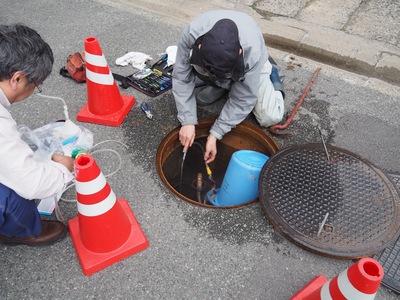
{"points": [[344, 207]]}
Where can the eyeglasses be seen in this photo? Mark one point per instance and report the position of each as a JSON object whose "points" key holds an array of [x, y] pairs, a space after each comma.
{"points": [[38, 87]]}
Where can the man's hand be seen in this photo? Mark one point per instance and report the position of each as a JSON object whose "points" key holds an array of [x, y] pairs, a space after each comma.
{"points": [[186, 136], [211, 149], [67, 161]]}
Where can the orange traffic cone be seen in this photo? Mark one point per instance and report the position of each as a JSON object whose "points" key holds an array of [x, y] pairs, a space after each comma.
{"points": [[105, 230], [359, 282], [105, 103]]}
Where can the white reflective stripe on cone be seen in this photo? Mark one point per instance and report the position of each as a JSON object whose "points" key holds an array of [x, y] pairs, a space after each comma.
{"points": [[325, 294], [106, 79], [93, 210], [96, 60], [91, 187], [349, 291]]}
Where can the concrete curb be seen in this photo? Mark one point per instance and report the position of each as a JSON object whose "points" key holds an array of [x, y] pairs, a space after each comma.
{"points": [[333, 47], [352, 53]]}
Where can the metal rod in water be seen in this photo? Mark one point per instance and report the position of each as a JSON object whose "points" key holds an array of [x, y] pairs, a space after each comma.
{"points": [[323, 142], [183, 160], [208, 170], [199, 186]]}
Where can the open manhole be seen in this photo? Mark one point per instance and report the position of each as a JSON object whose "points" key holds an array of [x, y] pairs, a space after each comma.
{"points": [[183, 179]]}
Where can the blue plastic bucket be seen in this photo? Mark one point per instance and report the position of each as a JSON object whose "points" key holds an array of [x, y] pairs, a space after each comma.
{"points": [[240, 183]]}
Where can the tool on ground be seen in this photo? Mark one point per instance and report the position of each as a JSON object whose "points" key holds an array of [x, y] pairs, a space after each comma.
{"points": [[146, 109], [276, 129], [323, 142], [156, 82]]}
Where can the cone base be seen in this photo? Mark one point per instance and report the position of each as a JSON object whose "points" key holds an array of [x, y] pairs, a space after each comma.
{"points": [[114, 119], [92, 262], [312, 286]]}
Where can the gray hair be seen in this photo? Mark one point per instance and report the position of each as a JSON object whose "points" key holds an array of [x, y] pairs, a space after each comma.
{"points": [[22, 49]]}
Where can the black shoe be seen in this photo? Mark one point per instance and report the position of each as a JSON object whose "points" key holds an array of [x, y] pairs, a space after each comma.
{"points": [[52, 231]]}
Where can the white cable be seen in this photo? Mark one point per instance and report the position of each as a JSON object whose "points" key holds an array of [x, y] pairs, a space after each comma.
{"points": [[57, 98], [58, 212], [106, 141], [106, 175], [116, 153], [68, 200]]}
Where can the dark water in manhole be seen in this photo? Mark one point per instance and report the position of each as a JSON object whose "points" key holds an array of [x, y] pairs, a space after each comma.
{"points": [[192, 166], [244, 136]]}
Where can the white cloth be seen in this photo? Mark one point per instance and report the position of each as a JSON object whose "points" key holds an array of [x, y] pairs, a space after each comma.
{"points": [[19, 170], [171, 52], [270, 106], [136, 59]]}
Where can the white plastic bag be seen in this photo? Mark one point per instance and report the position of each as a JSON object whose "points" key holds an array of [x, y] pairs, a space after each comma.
{"points": [[56, 137], [270, 107]]}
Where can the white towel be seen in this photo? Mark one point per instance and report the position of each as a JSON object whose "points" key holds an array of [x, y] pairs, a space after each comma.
{"points": [[137, 59], [171, 52]]}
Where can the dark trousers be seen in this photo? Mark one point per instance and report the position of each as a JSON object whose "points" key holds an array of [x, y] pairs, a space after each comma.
{"points": [[19, 217]]}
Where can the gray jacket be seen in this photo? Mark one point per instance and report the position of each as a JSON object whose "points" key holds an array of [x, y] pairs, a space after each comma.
{"points": [[243, 93]]}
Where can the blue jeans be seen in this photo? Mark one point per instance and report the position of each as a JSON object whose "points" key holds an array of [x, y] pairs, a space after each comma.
{"points": [[19, 217]]}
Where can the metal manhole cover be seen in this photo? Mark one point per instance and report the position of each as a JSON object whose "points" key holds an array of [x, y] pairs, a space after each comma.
{"points": [[390, 257], [343, 207]]}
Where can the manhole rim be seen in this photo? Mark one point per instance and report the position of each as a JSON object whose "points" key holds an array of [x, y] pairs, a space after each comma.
{"points": [[171, 142]]}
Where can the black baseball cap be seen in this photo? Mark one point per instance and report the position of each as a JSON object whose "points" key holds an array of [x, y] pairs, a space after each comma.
{"points": [[220, 48]]}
